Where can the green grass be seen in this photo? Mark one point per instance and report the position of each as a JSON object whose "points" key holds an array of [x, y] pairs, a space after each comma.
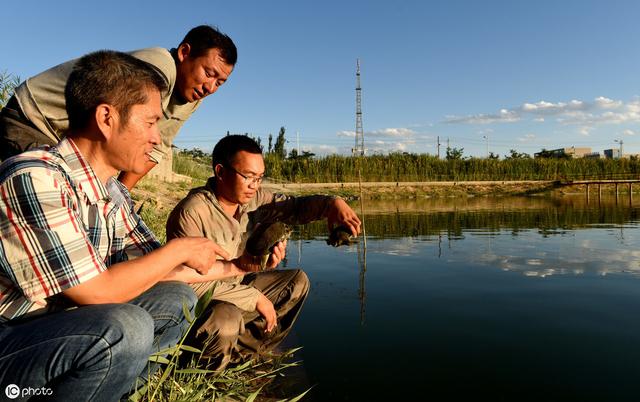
{"points": [[192, 167], [196, 381]]}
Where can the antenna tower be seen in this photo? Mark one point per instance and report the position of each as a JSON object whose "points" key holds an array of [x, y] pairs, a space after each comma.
{"points": [[358, 150]]}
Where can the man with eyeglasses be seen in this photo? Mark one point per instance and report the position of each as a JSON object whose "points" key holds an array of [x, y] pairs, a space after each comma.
{"points": [[250, 314]]}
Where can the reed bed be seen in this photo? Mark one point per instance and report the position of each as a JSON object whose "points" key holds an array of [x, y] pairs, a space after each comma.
{"points": [[405, 167]]}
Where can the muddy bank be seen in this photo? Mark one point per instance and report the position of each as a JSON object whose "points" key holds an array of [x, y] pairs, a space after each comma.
{"points": [[397, 190]]}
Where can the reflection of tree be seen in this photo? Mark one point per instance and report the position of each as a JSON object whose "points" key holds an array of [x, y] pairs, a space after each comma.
{"points": [[362, 293], [550, 220]]}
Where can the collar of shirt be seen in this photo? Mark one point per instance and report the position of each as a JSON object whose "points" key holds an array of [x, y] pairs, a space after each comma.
{"points": [[211, 189], [83, 175]]}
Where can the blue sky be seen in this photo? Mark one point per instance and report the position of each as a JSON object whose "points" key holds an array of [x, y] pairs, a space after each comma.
{"points": [[527, 75]]}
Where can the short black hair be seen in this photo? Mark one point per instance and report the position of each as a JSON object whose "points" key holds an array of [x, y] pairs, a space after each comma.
{"points": [[110, 77], [205, 37], [226, 149]]}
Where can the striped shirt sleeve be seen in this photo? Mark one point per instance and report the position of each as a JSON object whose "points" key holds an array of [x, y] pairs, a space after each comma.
{"points": [[43, 236]]}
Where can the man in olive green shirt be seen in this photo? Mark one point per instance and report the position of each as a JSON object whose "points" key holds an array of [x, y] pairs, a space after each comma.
{"points": [[37, 115], [252, 314]]}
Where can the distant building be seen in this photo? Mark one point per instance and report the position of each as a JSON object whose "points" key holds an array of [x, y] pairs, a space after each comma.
{"points": [[612, 153], [594, 155], [571, 152]]}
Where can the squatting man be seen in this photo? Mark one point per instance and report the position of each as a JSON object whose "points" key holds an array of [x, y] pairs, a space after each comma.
{"points": [[253, 313]]}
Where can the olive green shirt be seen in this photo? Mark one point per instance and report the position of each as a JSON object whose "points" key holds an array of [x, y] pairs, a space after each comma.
{"points": [[42, 100], [200, 214]]}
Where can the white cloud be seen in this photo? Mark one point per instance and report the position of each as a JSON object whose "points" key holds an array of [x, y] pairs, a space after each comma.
{"points": [[527, 138], [585, 130], [321, 149], [582, 118], [549, 108], [606, 103], [628, 132], [503, 116], [392, 139], [383, 147], [601, 110], [391, 132]]}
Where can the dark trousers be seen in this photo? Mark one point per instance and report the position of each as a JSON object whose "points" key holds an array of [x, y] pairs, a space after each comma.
{"points": [[225, 332], [95, 352], [17, 133]]}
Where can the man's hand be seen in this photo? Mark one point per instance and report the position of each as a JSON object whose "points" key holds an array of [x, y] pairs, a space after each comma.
{"points": [[278, 254], [340, 213], [249, 263], [199, 253], [265, 308]]}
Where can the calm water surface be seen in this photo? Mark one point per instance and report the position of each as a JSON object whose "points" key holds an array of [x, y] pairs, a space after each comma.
{"points": [[500, 299]]}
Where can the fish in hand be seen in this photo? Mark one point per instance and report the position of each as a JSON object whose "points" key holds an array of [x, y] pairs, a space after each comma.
{"points": [[264, 238]]}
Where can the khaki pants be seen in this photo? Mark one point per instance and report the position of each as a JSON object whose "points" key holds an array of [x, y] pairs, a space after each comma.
{"points": [[225, 332], [17, 133]]}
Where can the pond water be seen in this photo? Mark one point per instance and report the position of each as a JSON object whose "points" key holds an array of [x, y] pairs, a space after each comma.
{"points": [[501, 299]]}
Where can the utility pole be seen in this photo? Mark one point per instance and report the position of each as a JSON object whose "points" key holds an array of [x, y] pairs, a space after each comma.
{"points": [[358, 153], [358, 149], [438, 145], [298, 142], [620, 142]]}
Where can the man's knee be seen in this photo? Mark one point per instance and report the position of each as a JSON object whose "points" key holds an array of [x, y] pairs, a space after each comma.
{"points": [[168, 300], [299, 285], [224, 320], [128, 331], [124, 341], [179, 291]]}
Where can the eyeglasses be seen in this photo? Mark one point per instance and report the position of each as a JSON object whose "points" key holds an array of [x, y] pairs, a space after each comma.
{"points": [[248, 179]]}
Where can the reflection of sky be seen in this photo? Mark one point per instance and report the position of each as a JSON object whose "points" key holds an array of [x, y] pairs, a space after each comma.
{"points": [[593, 250], [573, 252]]}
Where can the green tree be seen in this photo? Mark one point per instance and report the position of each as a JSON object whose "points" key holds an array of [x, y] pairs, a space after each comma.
{"points": [[8, 82], [258, 141], [279, 148], [270, 143], [513, 154], [454, 153]]}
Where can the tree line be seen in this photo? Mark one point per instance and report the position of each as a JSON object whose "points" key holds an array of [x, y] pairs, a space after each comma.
{"points": [[404, 167]]}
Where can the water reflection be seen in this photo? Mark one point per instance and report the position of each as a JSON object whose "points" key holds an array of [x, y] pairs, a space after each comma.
{"points": [[476, 299], [362, 292], [491, 225]]}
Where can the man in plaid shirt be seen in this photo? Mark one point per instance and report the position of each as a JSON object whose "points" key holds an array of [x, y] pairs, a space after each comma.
{"points": [[86, 291]]}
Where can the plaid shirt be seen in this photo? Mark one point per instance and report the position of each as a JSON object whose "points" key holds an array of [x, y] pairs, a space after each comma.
{"points": [[59, 227]]}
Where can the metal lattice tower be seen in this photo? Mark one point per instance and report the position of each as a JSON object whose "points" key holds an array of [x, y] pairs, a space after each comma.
{"points": [[358, 150]]}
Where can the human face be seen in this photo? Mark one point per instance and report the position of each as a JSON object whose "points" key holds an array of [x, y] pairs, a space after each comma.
{"points": [[200, 76], [133, 140], [235, 188]]}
